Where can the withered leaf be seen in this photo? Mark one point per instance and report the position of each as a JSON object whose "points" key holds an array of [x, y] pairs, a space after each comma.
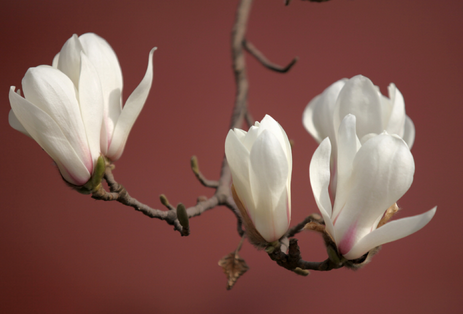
{"points": [[233, 266]]}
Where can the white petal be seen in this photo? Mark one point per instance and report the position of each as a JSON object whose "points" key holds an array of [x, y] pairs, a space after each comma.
{"points": [[15, 124], [268, 178], [409, 132], [318, 115], [55, 61], [105, 61], [46, 132], [386, 109], [238, 160], [273, 224], [131, 110], [240, 134], [365, 138], [52, 91], [69, 59], [348, 145], [360, 98], [391, 231], [269, 169], [250, 137], [320, 181], [268, 123], [382, 172], [91, 105], [397, 118]]}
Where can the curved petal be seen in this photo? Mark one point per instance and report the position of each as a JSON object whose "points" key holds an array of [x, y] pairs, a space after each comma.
{"points": [[240, 134], [269, 169], [382, 172], [46, 132], [91, 105], [251, 136], [386, 109], [397, 118], [238, 160], [319, 173], [268, 181], [55, 61], [360, 98], [348, 145], [105, 61], [69, 59], [318, 114], [131, 110], [268, 123], [14, 122], [279, 217], [409, 132], [52, 91], [309, 117], [391, 231], [365, 138]]}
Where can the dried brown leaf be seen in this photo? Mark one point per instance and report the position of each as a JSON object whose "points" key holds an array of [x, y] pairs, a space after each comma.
{"points": [[234, 267]]}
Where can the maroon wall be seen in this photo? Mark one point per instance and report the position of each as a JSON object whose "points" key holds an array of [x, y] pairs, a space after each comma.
{"points": [[62, 252]]}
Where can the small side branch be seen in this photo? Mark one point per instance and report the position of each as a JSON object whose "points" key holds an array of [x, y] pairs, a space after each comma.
{"points": [[264, 61], [201, 178], [119, 193]]}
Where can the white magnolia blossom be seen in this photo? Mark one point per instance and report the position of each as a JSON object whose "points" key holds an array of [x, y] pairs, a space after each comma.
{"points": [[117, 121], [358, 96], [260, 161], [73, 109], [371, 178], [66, 128]]}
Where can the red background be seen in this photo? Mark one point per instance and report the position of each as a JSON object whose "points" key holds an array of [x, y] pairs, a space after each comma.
{"points": [[62, 252]]}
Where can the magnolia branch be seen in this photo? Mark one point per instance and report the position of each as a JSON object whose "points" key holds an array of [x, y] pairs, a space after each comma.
{"points": [[175, 216], [179, 216], [119, 193], [264, 61]]}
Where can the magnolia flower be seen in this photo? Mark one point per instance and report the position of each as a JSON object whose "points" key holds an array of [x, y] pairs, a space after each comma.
{"points": [[371, 178], [358, 96], [260, 162], [73, 109], [117, 121], [62, 120]]}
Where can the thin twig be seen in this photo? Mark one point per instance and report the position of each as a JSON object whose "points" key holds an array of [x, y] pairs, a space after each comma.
{"points": [[299, 227], [288, 1], [119, 193], [264, 61], [240, 244], [201, 178]]}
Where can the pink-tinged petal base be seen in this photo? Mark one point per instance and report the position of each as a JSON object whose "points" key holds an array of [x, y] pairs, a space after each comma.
{"points": [[348, 240]]}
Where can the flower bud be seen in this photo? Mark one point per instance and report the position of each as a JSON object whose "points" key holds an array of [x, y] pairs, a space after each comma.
{"points": [[260, 161]]}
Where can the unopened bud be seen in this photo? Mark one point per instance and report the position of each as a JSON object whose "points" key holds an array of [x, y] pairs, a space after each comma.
{"points": [[194, 164], [182, 217]]}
